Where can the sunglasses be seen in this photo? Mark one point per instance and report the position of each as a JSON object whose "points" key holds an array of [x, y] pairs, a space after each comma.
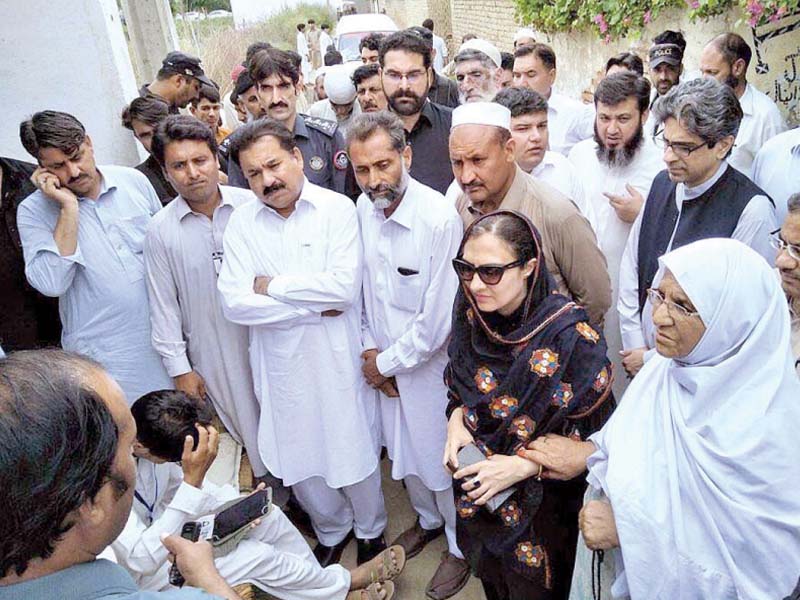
{"points": [[489, 274]]}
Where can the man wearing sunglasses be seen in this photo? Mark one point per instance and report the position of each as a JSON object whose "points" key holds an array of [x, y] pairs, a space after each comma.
{"points": [[698, 196], [786, 242]]}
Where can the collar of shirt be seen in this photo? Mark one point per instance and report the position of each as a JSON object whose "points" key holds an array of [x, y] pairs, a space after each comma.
{"points": [[300, 126], [687, 193], [512, 199], [182, 207], [547, 161], [556, 101], [306, 197], [108, 183], [426, 114], [403, 215], [746, 101]]}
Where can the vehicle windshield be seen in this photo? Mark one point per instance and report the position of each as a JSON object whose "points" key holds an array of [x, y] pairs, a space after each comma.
{"points": [[348, 45]]}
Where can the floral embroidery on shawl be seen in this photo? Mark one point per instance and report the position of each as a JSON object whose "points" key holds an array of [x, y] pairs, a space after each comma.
{"points": [[529, 555], [601, 380], [470, 418], [587, 332], [485, 380], [562, 395], [465, 507], [510, 514], [523, 427], [544, 362], [503, 406]]}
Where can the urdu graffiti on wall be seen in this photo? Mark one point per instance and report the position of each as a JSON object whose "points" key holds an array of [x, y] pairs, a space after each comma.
{"points": [[777, 50]]}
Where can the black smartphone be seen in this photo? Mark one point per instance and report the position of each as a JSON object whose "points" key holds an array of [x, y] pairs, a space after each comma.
{"points": [[191, 532], [245, 511]]}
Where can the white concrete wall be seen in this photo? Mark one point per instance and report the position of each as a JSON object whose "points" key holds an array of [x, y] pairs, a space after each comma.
{"points": [[69, 55]]}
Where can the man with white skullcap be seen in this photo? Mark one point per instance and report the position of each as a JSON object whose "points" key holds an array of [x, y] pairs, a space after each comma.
{"points": [[483, 159], [340, 105], [524, 37], [478, 70]]}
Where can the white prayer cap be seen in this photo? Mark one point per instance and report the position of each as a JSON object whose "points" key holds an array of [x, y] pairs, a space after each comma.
{"points": [[482, 113], [338, 84], [319, 73], [487, 48], [525, 32]]}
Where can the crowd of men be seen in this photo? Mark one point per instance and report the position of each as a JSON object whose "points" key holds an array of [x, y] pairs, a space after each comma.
{"points": [[292, 267]]}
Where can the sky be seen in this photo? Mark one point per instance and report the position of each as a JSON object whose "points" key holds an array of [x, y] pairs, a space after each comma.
{"points": [[252, 11]]}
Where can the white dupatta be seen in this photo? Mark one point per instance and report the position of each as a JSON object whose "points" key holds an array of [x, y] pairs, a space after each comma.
{"points": [[701, 460]]}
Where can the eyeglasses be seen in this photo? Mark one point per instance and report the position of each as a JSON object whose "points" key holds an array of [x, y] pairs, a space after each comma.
{"points": [[657, 299], [489, 274], [777, 242], [680, 149], [413, 77]]}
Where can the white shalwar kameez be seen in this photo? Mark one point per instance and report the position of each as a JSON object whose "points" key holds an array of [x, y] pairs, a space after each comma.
{"points": [[302, 50], [273, 556], [317, 430], [612, 232], [183, 254], [408, 318]]}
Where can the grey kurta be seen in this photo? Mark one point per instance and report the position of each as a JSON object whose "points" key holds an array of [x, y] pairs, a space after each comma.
{"points": [[183, 254]]}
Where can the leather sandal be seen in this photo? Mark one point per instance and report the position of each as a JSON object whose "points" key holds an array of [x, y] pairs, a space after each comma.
{"points": [[387, 571], [373, 592]]}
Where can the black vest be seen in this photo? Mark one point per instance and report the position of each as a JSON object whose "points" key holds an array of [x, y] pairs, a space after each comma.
{"points": [[715, 213]]}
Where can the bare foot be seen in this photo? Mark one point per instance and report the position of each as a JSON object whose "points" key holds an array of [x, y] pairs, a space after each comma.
{"points": [[378, 570], [375, 591]]}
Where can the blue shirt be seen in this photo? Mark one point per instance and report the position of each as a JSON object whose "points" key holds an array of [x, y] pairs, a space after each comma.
{"points": [[94, 580], [101, 287]]}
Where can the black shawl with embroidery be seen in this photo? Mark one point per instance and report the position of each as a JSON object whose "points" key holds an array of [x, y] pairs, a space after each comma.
{"points": [[542, 370]]}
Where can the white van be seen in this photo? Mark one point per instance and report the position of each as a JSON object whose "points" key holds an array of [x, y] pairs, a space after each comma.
{"points": [[351, 28]]}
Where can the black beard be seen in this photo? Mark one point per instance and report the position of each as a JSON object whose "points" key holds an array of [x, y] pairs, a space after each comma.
{"points": [[619, 157], [419, 102], [731, 81]]}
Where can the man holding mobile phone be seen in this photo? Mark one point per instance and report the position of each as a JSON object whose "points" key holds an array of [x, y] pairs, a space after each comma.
{"points": [[173, 427], [67, 486], [82, 234]]}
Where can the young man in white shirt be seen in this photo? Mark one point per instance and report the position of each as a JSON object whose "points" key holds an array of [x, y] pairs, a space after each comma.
{"points": [[569, 120], [204, 353], [410, 234], [292, 275], [529, 129], [726, 59], [617, 167], [174, 448]]}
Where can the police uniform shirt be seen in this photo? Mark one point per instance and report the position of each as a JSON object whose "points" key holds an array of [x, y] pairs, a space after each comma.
{"points": [[429, 140], [145, 92], [325, 161]]}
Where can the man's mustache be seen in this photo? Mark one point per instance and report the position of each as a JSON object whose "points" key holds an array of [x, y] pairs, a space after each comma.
{"points": [[271, 189]]}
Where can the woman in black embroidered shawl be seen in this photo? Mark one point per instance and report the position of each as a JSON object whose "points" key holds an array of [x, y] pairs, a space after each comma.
{"points": [[524, 362]]}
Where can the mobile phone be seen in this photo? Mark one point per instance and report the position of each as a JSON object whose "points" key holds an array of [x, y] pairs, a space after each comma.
{"points": [[191, 532], [471, 454], [245, 511]]}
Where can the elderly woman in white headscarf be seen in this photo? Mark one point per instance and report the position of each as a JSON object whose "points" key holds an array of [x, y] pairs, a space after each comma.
{"points": [[699, 464]]}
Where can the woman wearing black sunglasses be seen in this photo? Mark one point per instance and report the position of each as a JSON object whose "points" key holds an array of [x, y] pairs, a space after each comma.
{"points": [[524, 362]]}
